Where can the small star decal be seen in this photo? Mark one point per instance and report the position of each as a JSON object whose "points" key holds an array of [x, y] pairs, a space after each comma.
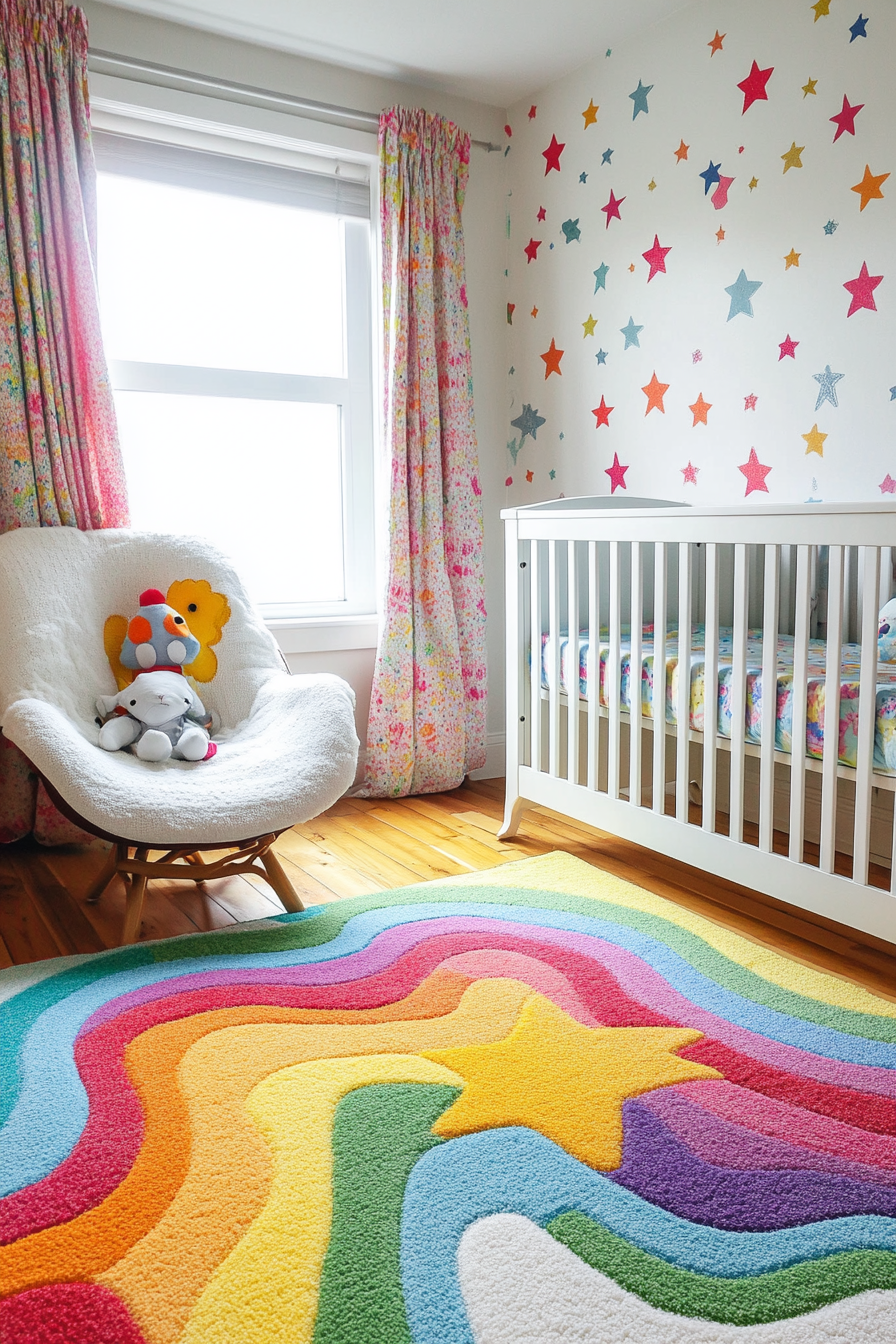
{"points": [[654, 392], [590, 113], [753, 183], [822, 9], [869, 189], [616, 474], [809, 87], [571, 230], [827, 386], [720, 235], [600, 277], [534, 312], [632, 268], [719, 197], [552, 357], [741, 293], [529, 422], [845, 119], [511, 370], [510, 311], [542, 214], [551, 155], [862, 290], [532, 111], [792, 259], [531, 249], [509, 480], [681, 152], [530, 476], [755, 473], [589, 325], [814, 441], [601, 356], [792, 157], [754, 86], [857, 29], [750, 402], [651, 185], [710, 176], [656, 258], [631, 332], [689, 473], [552, 473], [831, 227], [606, 156], [602, 412], [787, 347], [583, 177], [611, 209], [893, 393], [716, 43], [700, 410], [696, 356], [639, 98], [887, 485]]}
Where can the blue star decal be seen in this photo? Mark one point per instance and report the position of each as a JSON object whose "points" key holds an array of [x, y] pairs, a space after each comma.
{"points": [[583, 177], [893, 393], [857, 29], [630, 332], [741, 293], [600, 277], [571, 230], [827, 386], [606, 156], [601, 356], [552, 473], [512, 370], [710, 176], [831, 227], [639, 98], [562, 437], [513, 449], [528, 422]]}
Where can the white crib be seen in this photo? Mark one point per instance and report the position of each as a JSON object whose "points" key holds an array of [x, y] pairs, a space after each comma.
{"points": [[599, 571]]}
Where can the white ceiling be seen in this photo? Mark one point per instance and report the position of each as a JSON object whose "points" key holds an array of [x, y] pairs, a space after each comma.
{"points": [[493, 50]]}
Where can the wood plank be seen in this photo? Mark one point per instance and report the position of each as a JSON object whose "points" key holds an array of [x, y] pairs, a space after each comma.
{"points": [[338, 877], [350, 848], [70, 928], [377, 829], [25, 933]]}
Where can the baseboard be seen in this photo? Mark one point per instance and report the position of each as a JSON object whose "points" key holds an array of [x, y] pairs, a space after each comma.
{"points": [[494, 758]]}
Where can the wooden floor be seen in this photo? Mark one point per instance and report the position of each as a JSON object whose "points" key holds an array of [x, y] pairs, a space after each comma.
{"points": [[362, 846]]}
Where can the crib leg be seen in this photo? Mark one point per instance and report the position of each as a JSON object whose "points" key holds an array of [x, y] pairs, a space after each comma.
{"points": [[513, 815]]}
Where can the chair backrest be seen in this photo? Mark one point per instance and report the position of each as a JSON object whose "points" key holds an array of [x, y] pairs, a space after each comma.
{"points": [[58, 586]]}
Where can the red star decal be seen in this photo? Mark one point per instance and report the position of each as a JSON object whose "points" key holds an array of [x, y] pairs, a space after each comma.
{"points": [[787, 347], [682, 152], [689, 473], [603, 413], [611, 209], [862, 290], [655, 391], [887, 485], [700, 410], [532, 111], [531, 249], [750, 402], [616, 474], [530, 476], [755, 473], [753, 87], [542, 214], [551, 155], [719, 197], [552, 357], [656, 258], [845, 119], [716, 45]]}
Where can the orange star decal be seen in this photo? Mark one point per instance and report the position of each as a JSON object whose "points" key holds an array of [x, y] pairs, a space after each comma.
{"points": [[716, 43], [869, 189], [682, 151], [655, 391], [700, 410], [552, 357]]}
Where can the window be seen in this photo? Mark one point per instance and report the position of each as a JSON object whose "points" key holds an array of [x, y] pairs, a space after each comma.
{"points": [[235, 299]]}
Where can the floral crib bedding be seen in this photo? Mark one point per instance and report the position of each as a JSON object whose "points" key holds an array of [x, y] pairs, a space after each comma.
{"points": [[885, 719]]}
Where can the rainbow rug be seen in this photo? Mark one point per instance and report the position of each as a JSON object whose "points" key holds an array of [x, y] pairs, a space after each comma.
{"points": [[535, 1105]]}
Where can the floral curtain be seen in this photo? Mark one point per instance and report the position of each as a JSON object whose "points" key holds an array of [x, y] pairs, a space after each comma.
{"points": [[60, 462], [427, 713]]}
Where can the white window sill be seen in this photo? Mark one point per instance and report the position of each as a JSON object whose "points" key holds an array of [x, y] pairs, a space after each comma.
{"points": [[324, 634]]}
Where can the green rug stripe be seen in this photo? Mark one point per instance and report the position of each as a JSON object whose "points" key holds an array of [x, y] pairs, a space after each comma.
{"points": [[759, 1300], [380, 1131]]}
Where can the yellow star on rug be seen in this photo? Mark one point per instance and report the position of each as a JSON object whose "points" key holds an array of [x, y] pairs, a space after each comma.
{"points": [[564, 1080]]}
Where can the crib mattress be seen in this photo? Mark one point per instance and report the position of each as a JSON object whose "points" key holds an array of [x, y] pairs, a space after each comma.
{"points": [[885, 719]]}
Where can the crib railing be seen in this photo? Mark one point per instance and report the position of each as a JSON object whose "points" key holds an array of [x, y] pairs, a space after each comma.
{"points": [[817, 833]]}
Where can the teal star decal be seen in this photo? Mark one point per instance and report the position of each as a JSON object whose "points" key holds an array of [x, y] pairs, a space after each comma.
{"points": [[831, 227], [528, 422], [571, 230], [513, 449], [606, 156], [600, 277], [552, 473], [827, 386], [562, 437], [601, 356], [741, 293], [512, 370], [583, 177], [893, 393], [630, 332], [639, 98]]}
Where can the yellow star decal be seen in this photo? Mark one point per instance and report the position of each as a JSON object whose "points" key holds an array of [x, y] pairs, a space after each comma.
{"points": [[566, 1081], [792, 157], [590, 325], [822, 8], [809, 87], [754, 182], [590, 113], [814, 441], [792, 259], [651, 185]]}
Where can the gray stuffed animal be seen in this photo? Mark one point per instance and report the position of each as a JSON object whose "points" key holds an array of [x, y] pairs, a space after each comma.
{"points": [[159, 715]]}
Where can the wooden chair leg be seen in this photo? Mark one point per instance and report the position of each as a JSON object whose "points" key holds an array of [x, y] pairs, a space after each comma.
{"points": [[133, 910], [280, 882], [109, 869]]}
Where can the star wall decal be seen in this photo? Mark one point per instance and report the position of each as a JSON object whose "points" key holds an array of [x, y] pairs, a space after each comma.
{"points": [[589, 325], [700, 410], [552, 473], [551, 155], [710, 176], [639, 98], [869, 189], [893, 393], [681, 153], [656, 258], [716, 43], [857, 29], [792, 259], [552, 357], [720, 236], [696, 356], [753, 183], [571, 230], [719, 197], [530, 476], [531, 249], [887, 485], [755, 473], [754, 86], [651, 185], [534, 312], [601, 356], [513, 449], [689, 473], [809, 87], [542, 214], [814, 441], [602, 413], [862, 290], [654, 391], [528, 422], [822, 9], [606, 156], [509, 480], [583, 177], [611, 209], [532, 112], [741, 293], [787, 348], [792, 157], [631, 332], [831, 227], [590, 113], [600, 277], [511, 307], [616, 474], [827, 386], [845, 119], [750, 402]]}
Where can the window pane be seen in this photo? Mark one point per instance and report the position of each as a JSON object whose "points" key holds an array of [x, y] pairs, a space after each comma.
{"points": [[190, 277], [259, 479]]}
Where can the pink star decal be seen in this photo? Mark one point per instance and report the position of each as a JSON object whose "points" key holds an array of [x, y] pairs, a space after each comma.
{"points": [[753, 87], [532, 111], [719, 197], [542, 214], [887, 485], [689, 473], [531, 249], [787, 347], [509, 481], [845, 119], [551, 155], [611, 209], [750, 402], [755, 473], [862, 290], [616, 474], [603, 413], [655, 258]]}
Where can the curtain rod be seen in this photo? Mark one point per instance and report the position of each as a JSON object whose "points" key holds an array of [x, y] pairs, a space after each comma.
{"points": [[260, 97]]}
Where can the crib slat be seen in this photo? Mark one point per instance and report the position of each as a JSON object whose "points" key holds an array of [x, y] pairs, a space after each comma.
{"points": [[572, 665], [769, 701], [800, 690], [554, 646], [614, 674], [831, 710], [634, 677], [738, 687], [536, 655], [682, 753], [593, 665], [711, 687], [658, 705], [869, 566]]}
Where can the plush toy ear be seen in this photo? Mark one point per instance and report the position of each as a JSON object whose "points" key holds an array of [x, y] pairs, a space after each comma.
{"points": [[206, 613], [114, 634]]}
